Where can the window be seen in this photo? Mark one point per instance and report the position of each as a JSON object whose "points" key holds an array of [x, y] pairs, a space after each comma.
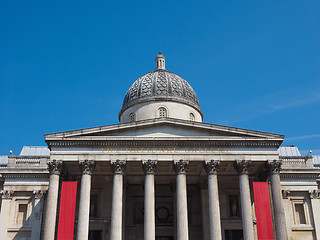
{"points": [[132, 117], [191, 116], [162, 112], [22, 214], [299, 214]]}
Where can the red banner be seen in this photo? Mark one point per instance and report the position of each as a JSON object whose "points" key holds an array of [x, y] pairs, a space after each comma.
{"points": [[263, 210], [67, 210]]}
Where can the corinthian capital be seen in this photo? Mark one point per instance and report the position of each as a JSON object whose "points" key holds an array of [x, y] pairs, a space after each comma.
{"points": [[212, 166], [181, 166], [39, 193], [6, 193], [118, 166], [274, 166], [87, 166], [149, 166], [55, 167], [242, 166]]}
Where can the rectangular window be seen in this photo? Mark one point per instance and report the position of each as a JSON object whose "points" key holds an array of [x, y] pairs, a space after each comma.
{"points": [[300, 217], [22, 214]]}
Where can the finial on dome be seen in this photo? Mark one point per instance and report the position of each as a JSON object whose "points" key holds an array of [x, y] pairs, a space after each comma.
{"points": [[160, 61]]}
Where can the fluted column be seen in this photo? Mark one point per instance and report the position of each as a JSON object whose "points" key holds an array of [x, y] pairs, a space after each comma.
{"points": [[246, 210], [149, 167], [211, 168], [279, 216], [118, 167], [54, 168], [180, 168], [87, 168], [6, 196]]}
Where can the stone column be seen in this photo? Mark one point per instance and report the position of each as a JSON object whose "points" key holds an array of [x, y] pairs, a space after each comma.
{"points": [[87, 168], [54, 168], [6, 196], [279, 216], [37, 216], [246, 210], [180, 168], [149, 167], [118, 167], [211, 168], [315, 205]]}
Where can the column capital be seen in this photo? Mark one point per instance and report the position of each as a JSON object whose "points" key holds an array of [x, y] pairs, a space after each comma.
{"points": [[211, 167], [285, 194], [180, 166], [149, 166], [39, 193], [118, 166], [6, 194], [315, 194], [87, 166], [242, 166], [55, 167], [274, 167]]}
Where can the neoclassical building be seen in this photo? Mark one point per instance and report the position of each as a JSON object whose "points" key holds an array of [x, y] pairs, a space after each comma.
{"points": [[163, 174]]}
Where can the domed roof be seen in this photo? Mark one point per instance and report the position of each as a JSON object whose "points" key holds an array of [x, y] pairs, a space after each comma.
{"points": [[160, 85]]}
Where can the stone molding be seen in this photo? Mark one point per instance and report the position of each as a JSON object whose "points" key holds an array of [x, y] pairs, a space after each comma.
{"points": [[39, 193], [274, 166], [149, 166], [242, 166], [87, 166], [212, 166], [180, 166], [55, 167], [118, 166], [285, 194], [6, 194], [315, 194]]}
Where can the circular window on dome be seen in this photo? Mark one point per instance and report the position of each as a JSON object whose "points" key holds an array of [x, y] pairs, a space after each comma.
{"points": [[132, 117], [191, 117], [163, 112]]}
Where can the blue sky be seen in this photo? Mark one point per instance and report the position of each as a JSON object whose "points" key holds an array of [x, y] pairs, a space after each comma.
{"points": [[67, 65]]}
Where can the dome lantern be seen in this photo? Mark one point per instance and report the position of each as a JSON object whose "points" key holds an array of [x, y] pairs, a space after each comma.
{"points": [[160, 61]]}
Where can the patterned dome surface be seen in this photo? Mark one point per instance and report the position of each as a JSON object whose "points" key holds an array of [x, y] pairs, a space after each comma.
{"points": [[160, 85]]}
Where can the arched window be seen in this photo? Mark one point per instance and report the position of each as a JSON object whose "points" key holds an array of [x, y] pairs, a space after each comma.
{"points": [[132, 117], [191, 117], [162, 112]]}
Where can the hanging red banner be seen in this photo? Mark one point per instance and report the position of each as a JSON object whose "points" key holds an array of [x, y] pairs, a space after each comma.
{"points": [[67, 210], [263, 210]]}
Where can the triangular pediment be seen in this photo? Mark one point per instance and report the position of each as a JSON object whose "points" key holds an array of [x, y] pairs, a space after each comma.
{"points": [[163, 128]]}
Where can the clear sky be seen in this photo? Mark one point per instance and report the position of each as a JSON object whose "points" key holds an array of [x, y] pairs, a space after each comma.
{"points": [[67, 65]]}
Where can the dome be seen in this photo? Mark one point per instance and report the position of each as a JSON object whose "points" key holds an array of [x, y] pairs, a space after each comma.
{"points": [[160, 85]]}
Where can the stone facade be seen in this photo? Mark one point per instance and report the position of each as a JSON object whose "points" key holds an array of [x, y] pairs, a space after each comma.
{"points": [[161, 178]]}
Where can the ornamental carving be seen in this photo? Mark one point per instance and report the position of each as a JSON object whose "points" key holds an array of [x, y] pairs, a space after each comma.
{"points": [[181, 166], [160, 83], [39, 193], [149, 166], [87, 166], [212, 166], [242, 166], [315, 194], [55, 167], [118, 166], [285, 194], [274, 166], [6, 193]]}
